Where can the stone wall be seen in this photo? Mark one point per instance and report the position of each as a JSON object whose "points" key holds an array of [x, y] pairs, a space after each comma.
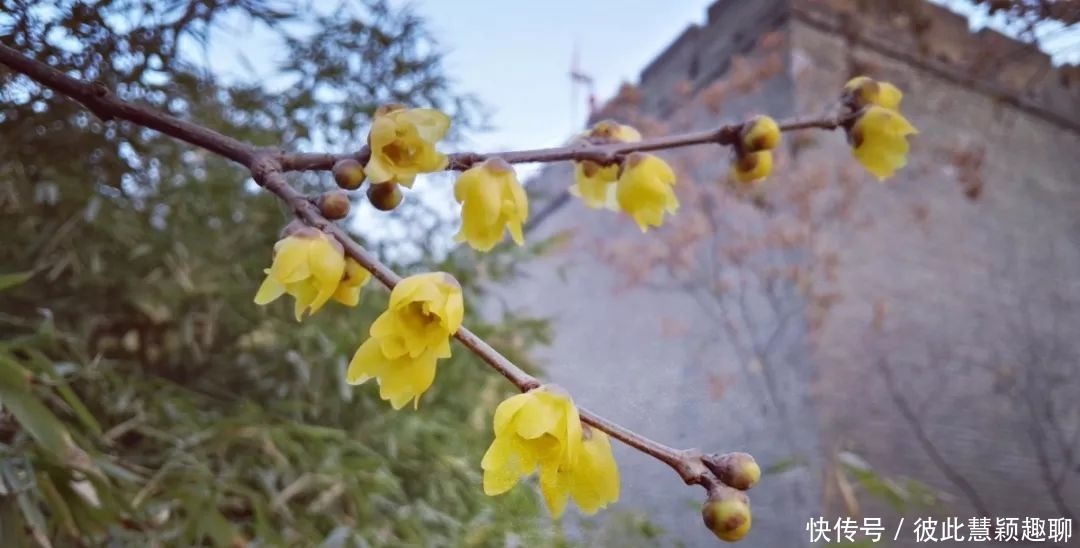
{"points": [[944, 354], [967, 295]]}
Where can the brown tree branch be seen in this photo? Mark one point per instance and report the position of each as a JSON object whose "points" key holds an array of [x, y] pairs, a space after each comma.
{"points": [[102, 102], [603, 154], [97, 98], [268, 166]]}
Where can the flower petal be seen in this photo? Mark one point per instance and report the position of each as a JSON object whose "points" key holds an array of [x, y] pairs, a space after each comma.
{"points": [[269, 291], [366, 363], [430, 123]]}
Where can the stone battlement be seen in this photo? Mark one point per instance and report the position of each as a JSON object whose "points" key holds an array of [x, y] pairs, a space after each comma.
{"points": [[918, 33], [702, 53]]}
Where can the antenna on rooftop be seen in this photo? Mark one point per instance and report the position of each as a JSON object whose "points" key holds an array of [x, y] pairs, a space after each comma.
{"points": [[579, 79]]}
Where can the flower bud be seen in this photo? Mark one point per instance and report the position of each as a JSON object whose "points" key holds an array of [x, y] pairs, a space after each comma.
{"points": [[761, 133], [859, 90], [348, 174], [862, 91], [334, 204], [738, 470], [753, 166], [727, 514], [385, 196]]}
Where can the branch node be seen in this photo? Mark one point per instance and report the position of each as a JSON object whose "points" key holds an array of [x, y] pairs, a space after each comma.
{"points": [[461, 162], [262, 165], [530, 384], [728, 135], [99, 89], [691, 467]]}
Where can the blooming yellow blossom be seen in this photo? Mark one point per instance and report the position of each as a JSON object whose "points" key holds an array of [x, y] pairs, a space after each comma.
{"points": [[867, 91], [879, 140], [310, 266], [539, 426], [761, 133], [646, 189], [542, 429], [593, 181], [402, 143], [492, 201], [410, 337], [356, 277], [753, 166], [592, 481]]}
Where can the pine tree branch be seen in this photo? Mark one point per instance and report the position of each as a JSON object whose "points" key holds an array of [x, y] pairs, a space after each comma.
{"points": [[268, 167]]}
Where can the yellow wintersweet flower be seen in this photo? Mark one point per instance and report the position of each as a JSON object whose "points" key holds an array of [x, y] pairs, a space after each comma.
{"points": [[879, 140], [538, 426], [492, 200], [646, 189], [752, 166], [409, 337], [402, 142], [356, 277], [761, 133], [542, 429], [309, 265], [593, 181], [867, 91], [592, 481]]}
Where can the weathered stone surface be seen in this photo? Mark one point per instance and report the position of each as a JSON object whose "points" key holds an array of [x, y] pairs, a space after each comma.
{"points": [[971, 305]]}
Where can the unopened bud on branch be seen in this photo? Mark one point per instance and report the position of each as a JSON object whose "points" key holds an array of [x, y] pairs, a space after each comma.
{"points": [[385, 196], [761, 133], [334, 204], [727, 513], [738, 470], [348, 174]]}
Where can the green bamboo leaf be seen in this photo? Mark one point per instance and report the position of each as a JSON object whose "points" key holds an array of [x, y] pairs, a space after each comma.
{"points": [[78, 408], [46, 366], [47, 430], [58, 507], [11, 524], [8, 281], [33, 516]]}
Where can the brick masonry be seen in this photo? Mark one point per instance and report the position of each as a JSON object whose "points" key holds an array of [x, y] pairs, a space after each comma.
{"points": [[950, 356]]}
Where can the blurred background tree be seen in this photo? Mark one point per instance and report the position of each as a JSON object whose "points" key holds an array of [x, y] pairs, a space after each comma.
{"points": [[146, 400]]}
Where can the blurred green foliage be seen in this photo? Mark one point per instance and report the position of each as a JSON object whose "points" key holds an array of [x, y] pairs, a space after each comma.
{"points": [[146, 399]]}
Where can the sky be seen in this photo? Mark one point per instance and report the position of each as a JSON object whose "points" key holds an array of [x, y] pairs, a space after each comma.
{"points": [[515, 55], [518, 60]]}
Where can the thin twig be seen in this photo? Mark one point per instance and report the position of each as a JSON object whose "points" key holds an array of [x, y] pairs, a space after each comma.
{"points": [[599, 153], [269, 175], [268, 167], [102, 102]]}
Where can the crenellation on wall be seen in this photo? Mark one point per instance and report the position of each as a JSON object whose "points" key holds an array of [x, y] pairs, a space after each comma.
{"points": [[742, 29], [703, 53], [940, 40], [674, 56], [1013, 71]]}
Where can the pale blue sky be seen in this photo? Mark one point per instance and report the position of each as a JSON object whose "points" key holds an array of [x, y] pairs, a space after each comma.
{"points": [[515, 55]]}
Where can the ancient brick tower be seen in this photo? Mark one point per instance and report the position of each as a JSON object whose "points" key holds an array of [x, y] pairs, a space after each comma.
{"points": [[928, 328]]}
